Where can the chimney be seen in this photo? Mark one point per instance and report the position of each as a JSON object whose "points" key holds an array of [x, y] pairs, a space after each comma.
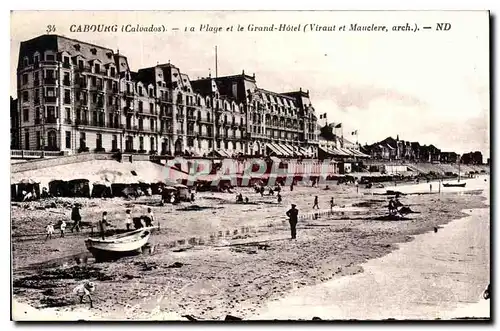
{"points": [[243, 72]]}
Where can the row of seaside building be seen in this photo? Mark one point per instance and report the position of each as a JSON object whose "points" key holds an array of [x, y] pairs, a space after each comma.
{"points": [[76, 97]]}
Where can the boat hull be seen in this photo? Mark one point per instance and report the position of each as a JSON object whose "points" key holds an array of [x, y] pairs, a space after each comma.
{"points": [[113, 248], [453, 185]]}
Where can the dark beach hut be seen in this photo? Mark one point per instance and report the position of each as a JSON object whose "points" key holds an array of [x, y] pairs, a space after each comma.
{"points": [[79, 188], [58, 188], [101, 190], [27, 185]]}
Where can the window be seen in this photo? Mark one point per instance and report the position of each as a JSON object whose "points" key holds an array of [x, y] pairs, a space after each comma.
{"points": [[66, 62], [141, 124], [25, 115], [52, 140], [68, 139], [98, 141], [152, 143], [114, 143], [50, 57], [38, 140], [26, 139], [26, 62], [25, 79], [210, 144], [82, 140], [51, 114], [93, 51], [80, 64], [67, 96], [97, 68], [151, 93], [94, 80], [66, 79], [140, 91], [37, 78], [36, 58], [151, 107], [140, 106], [112, 71], [141, 143], [152, 124], [50, 92], [68, 115], [37, 115], [94, 97], [26, 96]]}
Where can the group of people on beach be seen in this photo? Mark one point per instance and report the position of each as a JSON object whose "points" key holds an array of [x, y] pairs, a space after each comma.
{"points": [[137, 222]]}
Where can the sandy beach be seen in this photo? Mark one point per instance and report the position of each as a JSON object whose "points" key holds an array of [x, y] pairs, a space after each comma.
{"points": [[215, 257]]}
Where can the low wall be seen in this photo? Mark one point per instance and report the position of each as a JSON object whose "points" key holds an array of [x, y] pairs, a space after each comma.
{"points": [[52, 162]]}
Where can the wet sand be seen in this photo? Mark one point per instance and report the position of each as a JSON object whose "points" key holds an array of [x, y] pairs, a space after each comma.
{"points": [[241, 256], [438, 275]]}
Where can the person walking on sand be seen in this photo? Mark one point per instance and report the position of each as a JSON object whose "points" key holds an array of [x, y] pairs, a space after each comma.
{"points": [[291, 187], [63, 227], [128, 219], [293, 214], [50, 231], [331, 204], [102, 224], [315, 205], [76, 218], [430, 187], [279, 197]]}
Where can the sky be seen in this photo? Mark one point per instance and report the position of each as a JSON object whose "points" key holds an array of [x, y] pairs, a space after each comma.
{"points": [[428, 86]]}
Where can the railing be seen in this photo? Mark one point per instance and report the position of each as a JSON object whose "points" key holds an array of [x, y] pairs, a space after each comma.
{"points": [[34, 154]]}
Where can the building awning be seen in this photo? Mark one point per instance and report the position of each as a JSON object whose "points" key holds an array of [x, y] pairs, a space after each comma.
{"points": [[221, 153], [274, 150], [334, 152]]}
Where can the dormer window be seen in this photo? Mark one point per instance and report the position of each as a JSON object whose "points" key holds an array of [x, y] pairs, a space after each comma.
{"points": [[97, 68], [112, 71], [26, 62], [36, 58], [77, 47], [50, 57], [93, 51], [109, 54]]}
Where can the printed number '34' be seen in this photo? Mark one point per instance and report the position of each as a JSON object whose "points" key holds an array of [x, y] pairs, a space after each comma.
{"points": [[51, 28]]}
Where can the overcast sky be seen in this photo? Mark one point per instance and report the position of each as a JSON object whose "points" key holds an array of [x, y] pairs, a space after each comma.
{"points": [[428, 86]]}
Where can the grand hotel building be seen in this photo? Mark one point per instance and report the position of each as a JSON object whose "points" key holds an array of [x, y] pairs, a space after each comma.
{"points": [[77, 97]]}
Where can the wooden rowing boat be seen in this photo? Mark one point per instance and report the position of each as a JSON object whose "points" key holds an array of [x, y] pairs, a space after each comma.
{"points": [[454, 184], [125, 244]]}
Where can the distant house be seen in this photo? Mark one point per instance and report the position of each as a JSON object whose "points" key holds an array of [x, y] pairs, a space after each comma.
{"points": [[415, 151], [472, 158], [448, 157]]}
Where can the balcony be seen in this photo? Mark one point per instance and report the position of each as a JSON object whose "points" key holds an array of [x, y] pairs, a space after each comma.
{"points": [[81, 69], [128, 109], [113, 125], [50, 99], [51, 120], [81, 122], [179, 117], [50, 81]]}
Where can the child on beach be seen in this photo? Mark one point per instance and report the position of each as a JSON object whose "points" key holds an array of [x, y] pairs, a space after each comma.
{"points": [[103, 223], [128, 219], [84, 290], [63, 227], [50, 231]]}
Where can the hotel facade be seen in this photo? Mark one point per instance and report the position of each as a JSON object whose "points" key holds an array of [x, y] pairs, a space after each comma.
{"points": [[77, 97]]}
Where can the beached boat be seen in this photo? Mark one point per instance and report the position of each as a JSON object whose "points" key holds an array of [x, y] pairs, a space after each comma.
{"points": [[454, 184], [125, 244]]}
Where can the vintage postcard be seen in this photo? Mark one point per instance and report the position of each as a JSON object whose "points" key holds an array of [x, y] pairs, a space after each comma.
{"points": [[250, 165]]}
